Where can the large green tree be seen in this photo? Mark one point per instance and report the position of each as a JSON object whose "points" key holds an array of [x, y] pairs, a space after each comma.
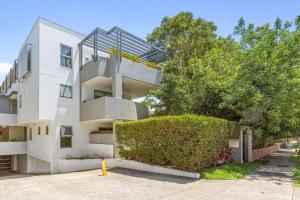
{"points": [[191, 82], [265, 90]]}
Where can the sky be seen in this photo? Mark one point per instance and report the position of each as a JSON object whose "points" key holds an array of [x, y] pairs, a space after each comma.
{"points": [[136, 16]]}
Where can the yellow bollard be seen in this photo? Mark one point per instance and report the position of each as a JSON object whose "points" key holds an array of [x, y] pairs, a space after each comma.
{"points": [[104, 172]]}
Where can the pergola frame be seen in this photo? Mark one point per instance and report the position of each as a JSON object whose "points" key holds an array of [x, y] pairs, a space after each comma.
{"points": [[122, 41]]}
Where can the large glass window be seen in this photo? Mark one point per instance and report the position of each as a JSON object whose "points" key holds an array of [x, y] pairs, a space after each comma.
{"points": [[66, 91], [65, 56], [66, 136]]}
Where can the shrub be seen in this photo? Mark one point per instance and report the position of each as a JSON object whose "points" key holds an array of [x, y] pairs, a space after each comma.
{"points": [[129, 56], [134, 58], [187, 142], [152, 65]]}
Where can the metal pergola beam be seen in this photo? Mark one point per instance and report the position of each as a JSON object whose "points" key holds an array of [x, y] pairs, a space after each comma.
{"points": [[122, 41]]}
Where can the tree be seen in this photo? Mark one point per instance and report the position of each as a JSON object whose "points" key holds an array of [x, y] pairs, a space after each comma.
{"points": [[173, 97], [265, 90], [191, 44], [212, 78], [184, 37]]}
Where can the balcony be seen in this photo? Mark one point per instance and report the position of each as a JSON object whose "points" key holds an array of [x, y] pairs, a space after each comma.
{"points": [[8, 119], [128, 68], [110, 108], [8, 111], [13, 148]]}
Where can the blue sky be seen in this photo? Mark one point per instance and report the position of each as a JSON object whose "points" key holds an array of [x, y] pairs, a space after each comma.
{"points": [[136, 16]]}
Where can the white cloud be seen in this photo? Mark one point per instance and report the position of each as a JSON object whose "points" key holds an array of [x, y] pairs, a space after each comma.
{"points": [[4, 68]]}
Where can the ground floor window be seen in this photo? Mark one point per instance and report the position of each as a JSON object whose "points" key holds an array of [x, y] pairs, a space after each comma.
{"points": [[66, 136]]}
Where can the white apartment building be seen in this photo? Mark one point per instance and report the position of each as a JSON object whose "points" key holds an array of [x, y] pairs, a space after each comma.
{"points": [[65, 91]]}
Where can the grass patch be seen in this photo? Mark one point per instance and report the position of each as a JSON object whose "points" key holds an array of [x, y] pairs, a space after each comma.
{"points": [[296, 171], [230, 171]]}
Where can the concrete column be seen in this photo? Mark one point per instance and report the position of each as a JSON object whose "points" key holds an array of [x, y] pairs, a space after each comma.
{"points": [[14, 163], [237, 149], [248, 145], [117, 87]]}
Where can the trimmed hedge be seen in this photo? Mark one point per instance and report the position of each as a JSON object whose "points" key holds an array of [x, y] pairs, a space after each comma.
{"points": [[187, 142]]}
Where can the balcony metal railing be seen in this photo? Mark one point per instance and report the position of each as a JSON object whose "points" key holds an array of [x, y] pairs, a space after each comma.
{"points": [[121, 41]]}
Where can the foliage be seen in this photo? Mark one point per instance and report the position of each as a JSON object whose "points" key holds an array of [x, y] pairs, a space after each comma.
{"points": [[265, 90], [296, 171], [129, 56], [230, 171], [184, 37], [254, 80], [261, 140], [134, 58], [199, 70], [187, 142], [173, 98], [152, 65], [211, 79]]}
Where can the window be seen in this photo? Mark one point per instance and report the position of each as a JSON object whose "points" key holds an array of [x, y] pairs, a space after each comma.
{"points": [[39, 130], [99, 93], [47, 130], [66, 91], [65, 56], [66, 136], [29, 59], [30, 134]]}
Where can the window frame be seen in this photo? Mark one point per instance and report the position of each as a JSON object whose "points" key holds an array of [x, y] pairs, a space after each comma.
{"points": [[65, 136], [69, 86], [66, 56]]}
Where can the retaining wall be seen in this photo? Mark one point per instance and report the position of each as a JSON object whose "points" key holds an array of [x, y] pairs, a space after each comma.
{"points": [[259, 153]]}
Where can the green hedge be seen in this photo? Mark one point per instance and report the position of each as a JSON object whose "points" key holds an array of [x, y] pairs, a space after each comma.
{"points": [[187, 142]]}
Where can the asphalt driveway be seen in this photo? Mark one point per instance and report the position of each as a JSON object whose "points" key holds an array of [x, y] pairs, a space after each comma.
{"points": [[128, 184]]}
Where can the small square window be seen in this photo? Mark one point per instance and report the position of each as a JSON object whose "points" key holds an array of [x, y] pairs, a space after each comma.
{"points": [[66, 91], [66, 136], [65, 142], [65, 56]]}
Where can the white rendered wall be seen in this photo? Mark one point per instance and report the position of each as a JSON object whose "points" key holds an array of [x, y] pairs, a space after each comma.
{"points": [[37, 165], [40, 146], [59, 110], [28, 87], [12, 148], [8, 119]]}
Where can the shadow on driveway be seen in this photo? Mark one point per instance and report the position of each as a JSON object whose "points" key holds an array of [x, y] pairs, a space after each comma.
{"points": [[153, 176]]}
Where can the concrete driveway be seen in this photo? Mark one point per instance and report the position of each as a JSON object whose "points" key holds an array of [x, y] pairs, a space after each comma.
{"points": [[128, 184]]}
